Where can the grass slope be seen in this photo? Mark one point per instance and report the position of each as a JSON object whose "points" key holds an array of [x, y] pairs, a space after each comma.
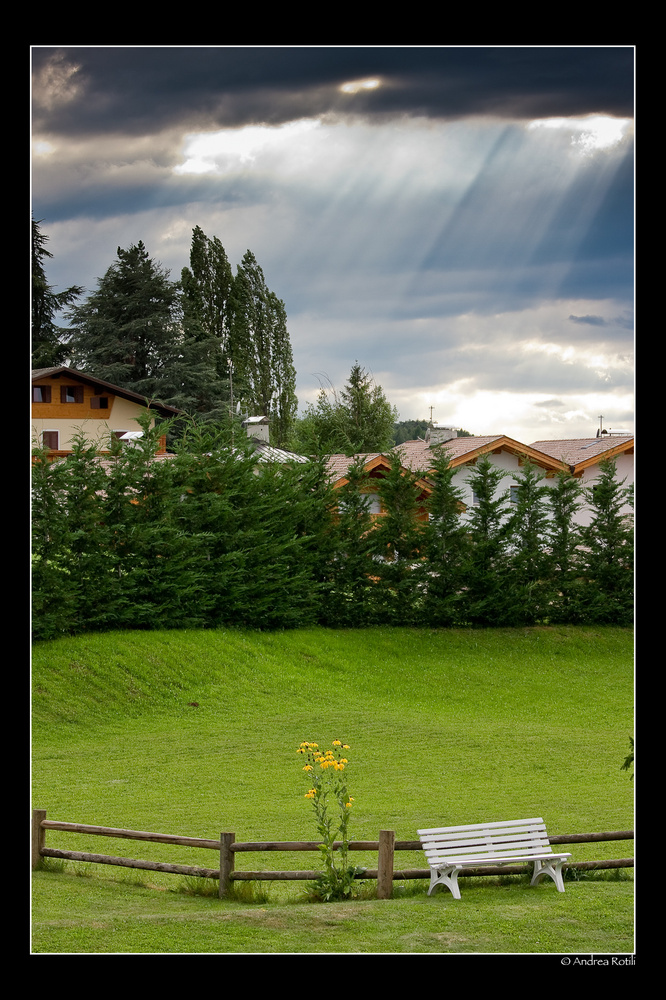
{"points": [[445, 726]]}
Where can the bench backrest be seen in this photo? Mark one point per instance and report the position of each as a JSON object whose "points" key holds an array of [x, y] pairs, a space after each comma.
{"points": [[511, 837]]}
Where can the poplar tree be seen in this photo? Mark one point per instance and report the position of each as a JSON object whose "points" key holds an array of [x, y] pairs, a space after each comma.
{"points": [[260, 351], [199, 368]]}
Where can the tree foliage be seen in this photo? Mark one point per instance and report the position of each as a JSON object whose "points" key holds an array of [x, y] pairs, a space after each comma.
{"points": [[259, 350], [126, 330], [357, 420], [212, 537], [49, 346]]}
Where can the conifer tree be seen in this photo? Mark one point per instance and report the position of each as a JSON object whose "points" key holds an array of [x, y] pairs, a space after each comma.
{"points": [[398, 540], [609, 549], [349, 598], [565, 497], [530, 568], [446, 547], [358, 420], [49, 346], [125, 331], [487, 595]]}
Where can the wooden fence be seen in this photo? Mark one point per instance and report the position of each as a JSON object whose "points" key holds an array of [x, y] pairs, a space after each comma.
{"points": [[227, 848]]}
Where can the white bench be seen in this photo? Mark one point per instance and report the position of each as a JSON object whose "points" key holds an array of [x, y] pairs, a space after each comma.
{"points": [[449, 849]]}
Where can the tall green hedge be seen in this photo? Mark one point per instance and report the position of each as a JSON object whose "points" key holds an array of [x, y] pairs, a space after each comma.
{"points": [[212, 537]]}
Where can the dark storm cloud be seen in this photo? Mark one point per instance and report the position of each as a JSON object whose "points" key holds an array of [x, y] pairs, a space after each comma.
{"points": [[139, 90]]}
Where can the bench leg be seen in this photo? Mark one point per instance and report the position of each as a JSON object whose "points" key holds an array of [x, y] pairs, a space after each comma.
{"points": [[552, 868], [447, 877]]}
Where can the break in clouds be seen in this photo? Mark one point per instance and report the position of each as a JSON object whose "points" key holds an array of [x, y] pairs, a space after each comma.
{"points": [[458, 220]]}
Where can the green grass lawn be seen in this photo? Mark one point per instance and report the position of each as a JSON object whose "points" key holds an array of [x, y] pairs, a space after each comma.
{"points": [[445, 727]]}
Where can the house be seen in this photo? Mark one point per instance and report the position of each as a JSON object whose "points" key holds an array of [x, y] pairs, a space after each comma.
{"points": [[66, 402], [257, 430], [375, 466], [582, 457], [505, 452]]}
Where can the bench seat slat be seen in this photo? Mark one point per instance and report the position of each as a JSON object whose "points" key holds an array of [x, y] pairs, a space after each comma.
{"points": [[487, 842]]}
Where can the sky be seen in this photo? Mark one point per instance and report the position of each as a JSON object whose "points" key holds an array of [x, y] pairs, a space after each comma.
{"points": [[459, 220]]}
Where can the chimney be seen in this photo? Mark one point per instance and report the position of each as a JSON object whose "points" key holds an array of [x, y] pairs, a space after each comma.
{"points": [[257, 427], [439, 434]]}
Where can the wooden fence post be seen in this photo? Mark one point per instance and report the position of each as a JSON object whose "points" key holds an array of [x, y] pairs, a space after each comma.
{"points": [[38, 836], [385, 864], [226, 862]]}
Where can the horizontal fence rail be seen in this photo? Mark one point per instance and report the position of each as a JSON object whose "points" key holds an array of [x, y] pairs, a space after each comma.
{"points": [[227, 847]]}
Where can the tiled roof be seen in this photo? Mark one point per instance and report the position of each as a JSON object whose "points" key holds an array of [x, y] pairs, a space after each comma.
{"points": [[418, 456], [576, 451]]}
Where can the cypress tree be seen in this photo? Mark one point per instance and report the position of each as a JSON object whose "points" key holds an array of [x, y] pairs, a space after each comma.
{"points": [[608, 553], [348, 599], [398, 539], [488, 588], [530, 560], [446, 547], [564, 534]]}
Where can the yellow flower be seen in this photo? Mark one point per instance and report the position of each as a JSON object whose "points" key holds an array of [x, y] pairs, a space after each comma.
{"points": [[308, 767], [343, 760], [345, 746], [337, 743]]}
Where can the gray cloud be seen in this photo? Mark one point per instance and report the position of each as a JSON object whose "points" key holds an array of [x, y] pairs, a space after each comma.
{"points": [[147, 90]]}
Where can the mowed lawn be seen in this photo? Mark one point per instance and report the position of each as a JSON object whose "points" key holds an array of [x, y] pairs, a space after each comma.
{"points": [[445, 727]]}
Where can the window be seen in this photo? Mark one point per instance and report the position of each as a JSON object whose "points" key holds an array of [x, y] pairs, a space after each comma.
{"points": [[50, 439], [515, 494], [99, 402], [71, 393], [375, 503], [41, 393]]}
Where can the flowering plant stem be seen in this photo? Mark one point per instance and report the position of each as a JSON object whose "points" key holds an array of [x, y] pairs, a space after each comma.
{"points": [[327, 778]]}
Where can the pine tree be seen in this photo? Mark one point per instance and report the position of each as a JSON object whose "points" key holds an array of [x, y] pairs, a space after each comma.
{"points": [[358, 420], [126, 330], [48, 340]]}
